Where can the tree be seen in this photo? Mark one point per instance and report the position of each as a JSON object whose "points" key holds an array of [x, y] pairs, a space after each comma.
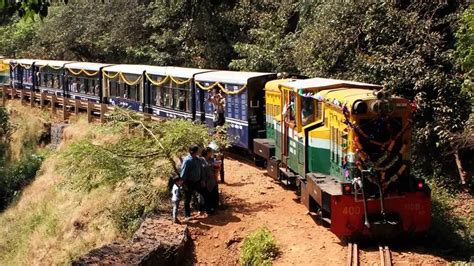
{"points": [[269, 45], [408, 48]]}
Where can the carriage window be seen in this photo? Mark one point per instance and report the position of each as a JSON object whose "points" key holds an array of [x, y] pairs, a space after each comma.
{"points": [[125, 91], [157, 95], [74, 84], [290, 107], [181, 96], [307, 111], [168, 96], [319, 110], [27, 76]]}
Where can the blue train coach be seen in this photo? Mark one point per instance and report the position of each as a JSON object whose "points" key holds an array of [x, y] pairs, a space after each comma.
{"points": [[245, 103]]}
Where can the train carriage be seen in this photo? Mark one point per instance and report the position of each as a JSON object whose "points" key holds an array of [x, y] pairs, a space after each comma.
{"points": [[21, 74], [171, 91], [245, 104], [123, 85], [84, 81], [49, 76]]}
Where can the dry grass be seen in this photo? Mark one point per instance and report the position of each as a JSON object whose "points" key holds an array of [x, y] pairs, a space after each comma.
{"points": [[51, 224], [28, 128]]}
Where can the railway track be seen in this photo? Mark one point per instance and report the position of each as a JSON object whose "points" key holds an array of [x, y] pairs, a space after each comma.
{"points": [[385, 256], [353, 255]]}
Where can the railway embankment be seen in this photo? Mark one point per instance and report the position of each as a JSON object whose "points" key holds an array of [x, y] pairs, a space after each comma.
{"points": [[94, 188]]}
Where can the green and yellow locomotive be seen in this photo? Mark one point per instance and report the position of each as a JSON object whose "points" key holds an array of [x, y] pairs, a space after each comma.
{"points": [[346, 146]]}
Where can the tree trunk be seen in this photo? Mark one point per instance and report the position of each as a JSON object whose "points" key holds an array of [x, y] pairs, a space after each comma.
{"points": [[462, 173]]}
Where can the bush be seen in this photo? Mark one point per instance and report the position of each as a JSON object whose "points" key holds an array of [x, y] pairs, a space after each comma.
{"points": [[16, 177], [259, 248], [127, 217], [450, 228]]}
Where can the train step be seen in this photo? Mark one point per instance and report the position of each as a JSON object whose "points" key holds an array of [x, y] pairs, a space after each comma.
{"points": [[326, 220], [287, 177], [286, 174]]}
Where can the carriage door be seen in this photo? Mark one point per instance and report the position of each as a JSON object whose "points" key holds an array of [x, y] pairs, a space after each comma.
{"points": [[288, 122]]}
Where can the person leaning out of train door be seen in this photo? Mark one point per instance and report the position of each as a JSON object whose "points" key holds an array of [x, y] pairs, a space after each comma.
{"points": [[191, 171], [218, 101]]}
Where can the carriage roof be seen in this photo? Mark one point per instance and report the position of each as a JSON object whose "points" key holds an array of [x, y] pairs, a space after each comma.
{"points": [[230, 77], [273, 85], [184, 72], [127, 69], [52, 63], [86, 66], [24, 61], [319, 84]]}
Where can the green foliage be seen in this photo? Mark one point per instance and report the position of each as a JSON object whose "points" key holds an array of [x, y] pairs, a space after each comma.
{"points": [[16, 177], [6, 129], [26, 8], [259, 248], [270, 41], [451, 230], [141, 152], [129, 214], [19, 41], [465, 49]]}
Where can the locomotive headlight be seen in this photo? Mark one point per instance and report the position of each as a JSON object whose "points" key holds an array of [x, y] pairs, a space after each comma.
{"points": [[383, 106]]}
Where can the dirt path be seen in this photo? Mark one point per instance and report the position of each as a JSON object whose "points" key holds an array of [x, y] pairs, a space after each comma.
{"points": [[255, 200]]}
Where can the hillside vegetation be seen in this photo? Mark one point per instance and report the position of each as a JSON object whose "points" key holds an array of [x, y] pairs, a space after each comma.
{"points": [[96, 188]]}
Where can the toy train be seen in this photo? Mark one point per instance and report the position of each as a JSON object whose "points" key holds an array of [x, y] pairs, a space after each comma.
{"points": [[344, 145]]}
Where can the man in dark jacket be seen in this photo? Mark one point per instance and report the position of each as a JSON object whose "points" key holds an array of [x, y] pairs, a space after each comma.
{"points": [[209, 186], [191, 172]]}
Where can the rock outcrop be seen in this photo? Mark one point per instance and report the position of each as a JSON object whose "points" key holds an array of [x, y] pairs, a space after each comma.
{"points": [[157, 242]]}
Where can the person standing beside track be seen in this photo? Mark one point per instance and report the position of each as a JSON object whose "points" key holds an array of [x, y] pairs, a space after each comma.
{"points": [[191, 171]]}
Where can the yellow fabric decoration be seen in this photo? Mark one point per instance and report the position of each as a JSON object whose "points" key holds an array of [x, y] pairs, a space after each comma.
{"points": [[55, 68], [110, 76], [165, 79], [180, 82], [221, 87], [24, 66], [156, 83], [90, 74], [131, 83]]}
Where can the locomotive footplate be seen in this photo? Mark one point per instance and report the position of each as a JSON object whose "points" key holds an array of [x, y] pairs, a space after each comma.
{"points": [[385, 227], [264, 148], [321, 188], [273, 166]]}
